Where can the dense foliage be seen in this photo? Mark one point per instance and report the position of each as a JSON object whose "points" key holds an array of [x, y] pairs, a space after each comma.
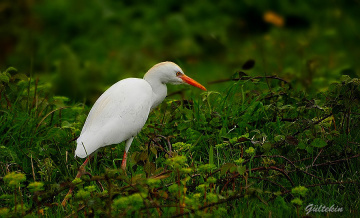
{"points": [[277, 131], [258, 148]]}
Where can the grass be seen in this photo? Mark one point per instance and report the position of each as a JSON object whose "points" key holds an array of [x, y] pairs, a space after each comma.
{"points": [[278, 135], [257, 148]]}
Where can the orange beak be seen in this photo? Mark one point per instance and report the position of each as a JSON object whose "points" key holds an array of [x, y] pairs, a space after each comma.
{"points": [[192, 82]]}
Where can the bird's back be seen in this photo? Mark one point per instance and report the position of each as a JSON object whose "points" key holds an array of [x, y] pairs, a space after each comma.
{"points": [[118, 114]]}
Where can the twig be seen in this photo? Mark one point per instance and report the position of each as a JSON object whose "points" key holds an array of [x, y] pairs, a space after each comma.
{"points": [[317, 157], [333, 162], [280, 156], [32, 167], [160, 145], [75, 212], [312, 124], [254, 177], [229, 180], [274, 168], [167, 140], [260, 169], [284, 173], [218, 170], [249, 78]]}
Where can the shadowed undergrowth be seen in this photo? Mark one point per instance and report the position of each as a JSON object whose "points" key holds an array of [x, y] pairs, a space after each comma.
{"points": [[259, 148]]}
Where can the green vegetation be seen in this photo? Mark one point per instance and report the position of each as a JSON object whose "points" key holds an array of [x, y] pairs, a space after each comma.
{"points": [[258, 149], [278, 129]]}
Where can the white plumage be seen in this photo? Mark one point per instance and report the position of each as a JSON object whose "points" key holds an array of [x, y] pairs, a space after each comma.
{"points": [[118, 115], [121, 111]]}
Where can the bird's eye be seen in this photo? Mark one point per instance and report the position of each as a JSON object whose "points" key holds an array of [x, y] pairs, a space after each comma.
{"points": [[178, 73]]}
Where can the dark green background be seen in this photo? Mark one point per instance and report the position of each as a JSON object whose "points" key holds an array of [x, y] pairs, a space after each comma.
{"points": [[82, 47]]}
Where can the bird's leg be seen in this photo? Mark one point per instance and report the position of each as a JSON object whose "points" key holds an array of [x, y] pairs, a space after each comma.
{"points": [[81, 172], [123, 164], [127, 146]]}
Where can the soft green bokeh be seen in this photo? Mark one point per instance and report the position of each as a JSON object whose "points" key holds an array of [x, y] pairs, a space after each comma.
{"points": [[82, 47]]}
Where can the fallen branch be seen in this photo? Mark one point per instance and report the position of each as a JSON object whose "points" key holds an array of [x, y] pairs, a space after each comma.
{"points": [[249, 78]]}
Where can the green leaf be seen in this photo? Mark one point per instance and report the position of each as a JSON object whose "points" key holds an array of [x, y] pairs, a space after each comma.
{"points": [[211, 155], [4, 78], [182, 126], [143, 156], [10, 69], [309, 149], [299, 190], [297, 201], [36, 186], [319, 143], [65, 124], [20, 76], [267, 146], [215, 121], [149, 167], [279, 138], [241, 170], [153, 150], [345, 78], [193, 134], [301, 145], [222, 131], [226, 167]]}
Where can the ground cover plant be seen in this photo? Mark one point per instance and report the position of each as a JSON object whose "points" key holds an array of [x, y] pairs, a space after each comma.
{"points": [[259, 148], [275, 135]]}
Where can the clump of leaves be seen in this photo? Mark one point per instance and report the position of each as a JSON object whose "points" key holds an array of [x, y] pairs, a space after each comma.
{"points": [[36, 186], [256, 151], [14, 179]]}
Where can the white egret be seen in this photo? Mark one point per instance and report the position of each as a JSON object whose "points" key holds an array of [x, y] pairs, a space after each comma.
{"points": [[122, 110]]}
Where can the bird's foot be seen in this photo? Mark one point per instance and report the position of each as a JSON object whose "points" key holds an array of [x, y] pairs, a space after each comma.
{"points": [[81, 172]]}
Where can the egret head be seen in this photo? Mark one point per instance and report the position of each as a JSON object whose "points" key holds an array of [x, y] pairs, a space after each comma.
{"points": [[169, 72]]}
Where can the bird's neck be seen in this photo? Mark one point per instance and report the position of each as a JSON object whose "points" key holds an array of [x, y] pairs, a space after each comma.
{"points": [[159, 90]]}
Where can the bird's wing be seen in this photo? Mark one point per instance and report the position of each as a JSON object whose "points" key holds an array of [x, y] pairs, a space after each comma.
{"points": [[118, 114]]}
